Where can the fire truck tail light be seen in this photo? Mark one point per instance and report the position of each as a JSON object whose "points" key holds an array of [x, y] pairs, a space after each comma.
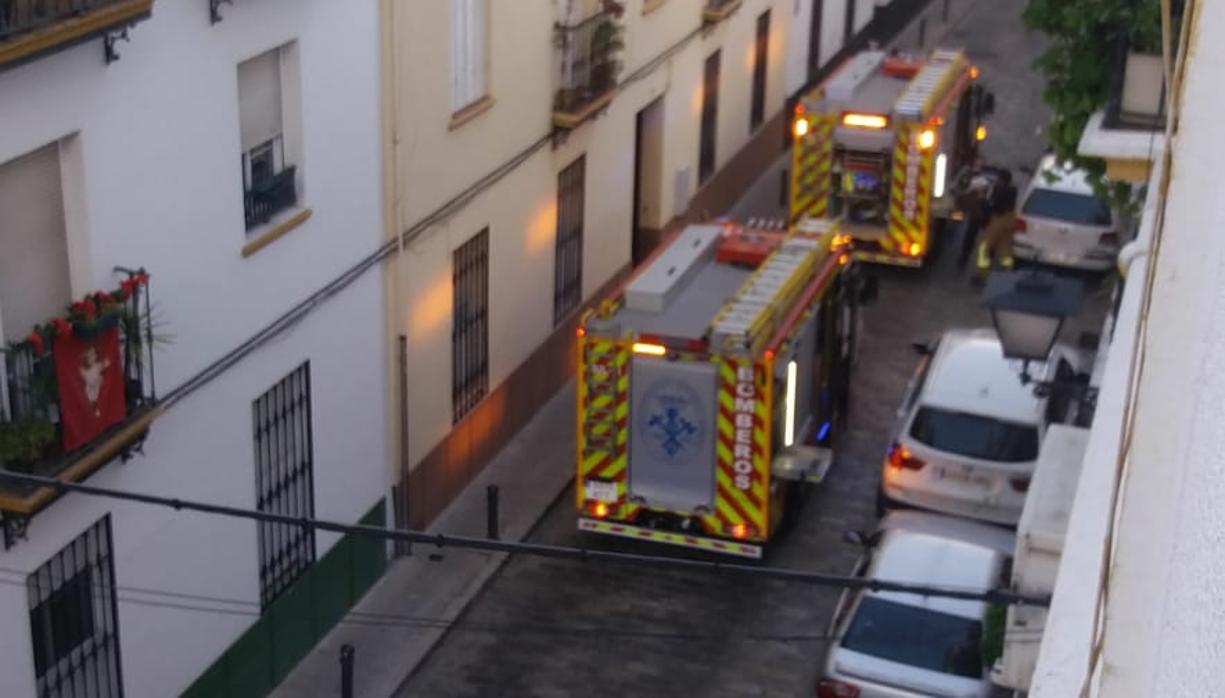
{"points": [[600, 509], [649, 349], [927, 139], [789, 424], [914, 249], [741, 531], [832, 688], [801, 127], [580, 331], [872, 121], [980, 133], [942, 165]]}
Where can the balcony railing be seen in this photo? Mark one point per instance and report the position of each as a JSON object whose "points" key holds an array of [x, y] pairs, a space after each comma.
{"points": [[76, 393], [269, 197], [716, 11], [590, 63], [31, 28]]}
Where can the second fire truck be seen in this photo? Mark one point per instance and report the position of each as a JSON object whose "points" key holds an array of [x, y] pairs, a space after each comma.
{"points": [[878, 144], [712, 386]]}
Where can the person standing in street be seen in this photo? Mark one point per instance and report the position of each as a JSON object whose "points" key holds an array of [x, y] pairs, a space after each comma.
{"points": [[973, 188], [996, 243]]}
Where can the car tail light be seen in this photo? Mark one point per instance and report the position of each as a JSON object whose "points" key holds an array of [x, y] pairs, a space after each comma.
{"points": [[1020, 226], [1020, 484], [832, 688], [900, 457], [1108, 239]]}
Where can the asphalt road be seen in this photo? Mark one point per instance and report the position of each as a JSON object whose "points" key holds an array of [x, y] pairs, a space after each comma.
{"points": [[554, 628]]}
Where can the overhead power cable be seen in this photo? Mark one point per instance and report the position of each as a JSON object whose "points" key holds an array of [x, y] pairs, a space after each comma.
{"points": [[439, 540]]}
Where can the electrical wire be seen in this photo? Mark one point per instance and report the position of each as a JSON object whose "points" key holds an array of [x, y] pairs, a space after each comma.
{"points": [[439, 540]]}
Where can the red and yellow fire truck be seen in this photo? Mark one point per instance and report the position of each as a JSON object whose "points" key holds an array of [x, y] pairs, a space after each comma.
{"points": [[710, 388], [878, 144]]}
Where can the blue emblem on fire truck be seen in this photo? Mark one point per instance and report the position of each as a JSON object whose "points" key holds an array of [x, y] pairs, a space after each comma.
{"points": [[671, 418]]}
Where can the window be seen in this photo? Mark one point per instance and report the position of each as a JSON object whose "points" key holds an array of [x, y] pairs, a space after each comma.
{"points": [[469, 32], [470, 325], [710, 117], [848, 29], [975, 436], [268, 133], [814, 38], [568, 267], [284, 480], [34, 277], [1081, 209], [916, 636], [73, 623], [761, 53]]}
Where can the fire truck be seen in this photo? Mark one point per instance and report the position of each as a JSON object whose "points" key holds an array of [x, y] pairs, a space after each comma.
{"points": [[878, 143], [712, 385]]}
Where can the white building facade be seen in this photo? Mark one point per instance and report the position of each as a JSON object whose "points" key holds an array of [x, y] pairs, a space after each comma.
{"points": [[231, 156]]}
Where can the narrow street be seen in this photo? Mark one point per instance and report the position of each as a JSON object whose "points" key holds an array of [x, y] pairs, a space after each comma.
{"points": [[554, 628]]}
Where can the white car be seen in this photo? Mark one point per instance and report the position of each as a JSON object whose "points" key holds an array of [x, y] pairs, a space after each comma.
{"points": [[968, 431], [891, 644], [1062, 223]]}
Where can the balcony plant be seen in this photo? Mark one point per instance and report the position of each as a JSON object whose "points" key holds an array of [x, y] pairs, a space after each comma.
{"points": [[1077, 67], [607, 42], [24, 443]]}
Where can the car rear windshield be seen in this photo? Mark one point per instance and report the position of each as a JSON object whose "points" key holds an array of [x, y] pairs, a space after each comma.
{"points": [[917, 637], [975, 436], [1081, 209]]}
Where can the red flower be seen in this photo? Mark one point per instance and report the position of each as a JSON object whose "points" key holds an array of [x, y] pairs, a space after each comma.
{"points": [[104, 297], [90, 306], [141, 278], [124, 292], [36, 340], [62, 327]]}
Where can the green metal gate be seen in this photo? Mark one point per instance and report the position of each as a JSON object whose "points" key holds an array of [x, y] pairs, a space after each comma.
{"points": [[298, 618]]}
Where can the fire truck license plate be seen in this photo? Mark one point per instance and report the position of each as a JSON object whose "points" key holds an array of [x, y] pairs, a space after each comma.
{"points": [[601, 491]]}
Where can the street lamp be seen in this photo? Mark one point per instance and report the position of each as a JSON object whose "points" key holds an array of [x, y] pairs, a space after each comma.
{"points": [[1028, 309]]}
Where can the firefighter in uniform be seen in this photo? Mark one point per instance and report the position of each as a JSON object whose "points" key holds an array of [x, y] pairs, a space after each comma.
{"points": [[996, 242]]}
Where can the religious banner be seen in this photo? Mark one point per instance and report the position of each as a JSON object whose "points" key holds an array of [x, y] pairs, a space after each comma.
{"points": [[89, 373]]}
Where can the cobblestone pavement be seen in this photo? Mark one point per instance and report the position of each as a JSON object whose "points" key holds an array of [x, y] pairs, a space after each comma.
{"points": [[558, 628]]}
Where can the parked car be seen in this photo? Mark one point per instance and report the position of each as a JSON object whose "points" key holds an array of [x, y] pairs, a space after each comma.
{"points": [[1061, 222], [967, 435], [891, 644]]}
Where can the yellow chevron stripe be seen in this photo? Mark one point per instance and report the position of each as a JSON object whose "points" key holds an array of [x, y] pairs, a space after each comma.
{"points": [[592, 461], [745, 506], [727, 511], [614, 468]]}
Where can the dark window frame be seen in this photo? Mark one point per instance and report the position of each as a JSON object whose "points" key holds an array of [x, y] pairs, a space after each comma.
{"points": [[709, 131], [74, 622], [469, 325], [284, 481], [848, 28], [568, 252], [761, 58], [814, 38]]}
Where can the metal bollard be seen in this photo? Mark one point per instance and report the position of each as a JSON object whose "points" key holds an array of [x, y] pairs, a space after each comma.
{"points": [[346, 671], [491, 511]]}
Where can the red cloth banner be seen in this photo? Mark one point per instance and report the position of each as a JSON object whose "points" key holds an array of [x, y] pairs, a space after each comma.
{"points": [[90, 377]]}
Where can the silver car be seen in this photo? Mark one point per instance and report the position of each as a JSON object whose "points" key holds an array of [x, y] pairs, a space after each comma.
{"points": [[1061, 222], [898, 645]]}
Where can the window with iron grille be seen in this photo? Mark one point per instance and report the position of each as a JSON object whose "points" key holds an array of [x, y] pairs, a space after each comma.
{"points": [[757, 108], [710, 118], [568, 267], [284, 481], [470, 325], [73, 624]]}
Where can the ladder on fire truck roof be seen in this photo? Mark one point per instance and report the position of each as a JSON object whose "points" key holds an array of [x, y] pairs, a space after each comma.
{"points": [[935, 75], [767, 294]]}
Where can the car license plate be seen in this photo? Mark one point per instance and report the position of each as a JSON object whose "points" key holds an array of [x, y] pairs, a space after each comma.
{"points": [[601, 491], [962, 477]]}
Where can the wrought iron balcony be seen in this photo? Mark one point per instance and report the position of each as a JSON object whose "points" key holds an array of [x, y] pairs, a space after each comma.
{"points": [[76, 393], [33, 28], [270, 196], [590, 63], [716, 11]]}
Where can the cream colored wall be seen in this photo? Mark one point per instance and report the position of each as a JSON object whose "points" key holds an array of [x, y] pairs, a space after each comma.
{"points": [[434, 164]]}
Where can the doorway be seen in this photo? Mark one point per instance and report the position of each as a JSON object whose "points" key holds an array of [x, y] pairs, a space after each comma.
{"points": [[648, 175]]}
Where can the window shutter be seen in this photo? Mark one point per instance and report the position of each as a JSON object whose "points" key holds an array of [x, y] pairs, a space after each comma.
{"points": [[468, 20], [259, 99]]}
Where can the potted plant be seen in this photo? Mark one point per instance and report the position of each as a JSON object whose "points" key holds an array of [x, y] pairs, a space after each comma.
{"points": [[24, 443], [607, 42]]}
